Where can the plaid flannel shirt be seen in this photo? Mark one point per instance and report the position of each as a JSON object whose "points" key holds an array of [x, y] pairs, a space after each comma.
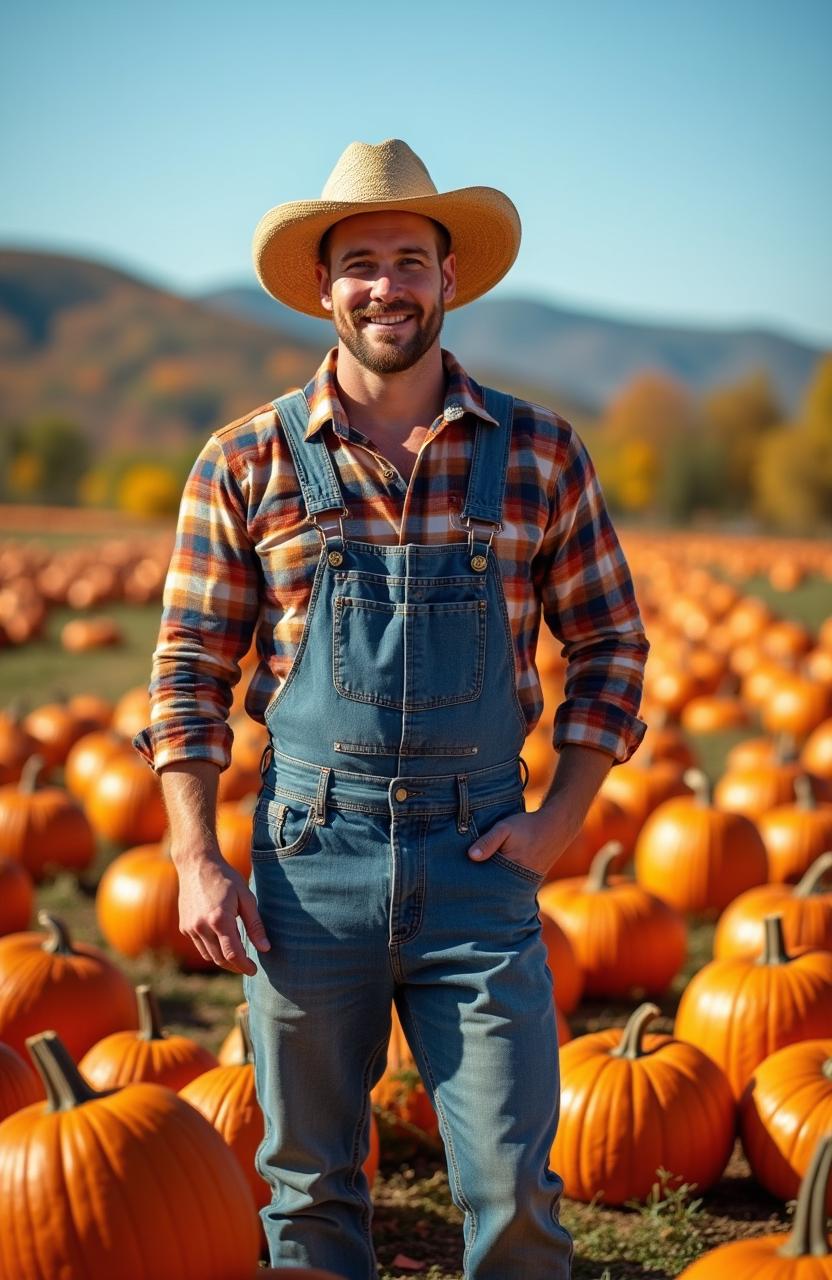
{"points": [[245, 557]]}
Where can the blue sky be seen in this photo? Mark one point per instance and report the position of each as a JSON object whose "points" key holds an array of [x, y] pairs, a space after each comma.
{"points": [[669, 160]]}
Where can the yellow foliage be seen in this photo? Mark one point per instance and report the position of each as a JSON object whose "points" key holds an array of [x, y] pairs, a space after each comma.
{"points": [[170, 375], [637, 472], [94, 488], [25, 474], [148, 489]]}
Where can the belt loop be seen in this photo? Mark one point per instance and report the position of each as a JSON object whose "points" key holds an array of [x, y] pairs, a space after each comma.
{"points": [[266, 759], [463, 812], [320, 797], [524, 771]]}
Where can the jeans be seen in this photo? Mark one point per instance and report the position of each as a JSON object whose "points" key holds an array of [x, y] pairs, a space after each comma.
{"points": [[380, 902]]}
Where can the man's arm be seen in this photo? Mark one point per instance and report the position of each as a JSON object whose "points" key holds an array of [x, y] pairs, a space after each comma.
{"points": [[211, 893], [586, 592]]}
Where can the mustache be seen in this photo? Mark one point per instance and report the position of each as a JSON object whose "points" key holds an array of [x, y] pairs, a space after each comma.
{"points": [[371, 313]]}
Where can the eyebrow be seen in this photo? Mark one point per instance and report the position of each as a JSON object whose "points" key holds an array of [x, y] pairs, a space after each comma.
{"points": [[370, 253]]}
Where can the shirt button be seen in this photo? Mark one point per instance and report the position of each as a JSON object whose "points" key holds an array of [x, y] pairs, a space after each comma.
{"points": [[335, 559], [400, 793], [478, 563]]}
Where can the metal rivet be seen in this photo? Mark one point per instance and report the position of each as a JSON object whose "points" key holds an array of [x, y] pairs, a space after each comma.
{"points": [[478, 563], [400, 793], [335, 559]]}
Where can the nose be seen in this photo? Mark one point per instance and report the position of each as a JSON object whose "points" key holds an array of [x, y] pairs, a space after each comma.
{"points": [[383, 287]]}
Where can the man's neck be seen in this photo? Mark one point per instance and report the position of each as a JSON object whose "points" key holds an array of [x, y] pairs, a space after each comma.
{"points": [[385, 404]]}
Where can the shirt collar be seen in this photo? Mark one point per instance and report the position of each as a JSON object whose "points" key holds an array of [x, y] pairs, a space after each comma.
{"points": [[462, 395]]}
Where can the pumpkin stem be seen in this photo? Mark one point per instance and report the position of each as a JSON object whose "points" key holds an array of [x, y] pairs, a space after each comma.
{"points": [[813, 875], [150, 1019], [596, 881], [245, 1032], [30, 775], [826, 1069], [700, 785], [65, 1087], [630, 1045], [774, 944], [58, 943], [804, 794], [785, 748], [808, 1235]]}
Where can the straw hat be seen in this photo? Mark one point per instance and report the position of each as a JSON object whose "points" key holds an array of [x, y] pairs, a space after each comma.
{"points": [[483, 223]]}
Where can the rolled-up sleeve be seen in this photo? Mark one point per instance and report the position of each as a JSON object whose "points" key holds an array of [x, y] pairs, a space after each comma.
{"points": [[210, 609], [589, 604]]}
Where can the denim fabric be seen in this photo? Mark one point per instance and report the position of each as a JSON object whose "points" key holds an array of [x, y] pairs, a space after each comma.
{"points": [[395, 741]]}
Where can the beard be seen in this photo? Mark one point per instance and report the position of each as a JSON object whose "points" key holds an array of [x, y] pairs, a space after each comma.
{"points": [[392, 354]]}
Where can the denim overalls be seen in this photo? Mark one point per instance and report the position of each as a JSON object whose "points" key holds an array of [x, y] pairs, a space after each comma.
{"points": [[395, 741]]}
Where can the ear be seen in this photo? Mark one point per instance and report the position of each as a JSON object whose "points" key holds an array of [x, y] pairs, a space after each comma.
{"points": [[449, 278], [324, 285]]}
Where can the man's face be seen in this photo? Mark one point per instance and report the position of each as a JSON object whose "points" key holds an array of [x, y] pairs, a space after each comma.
{"points": [[386, 288]]}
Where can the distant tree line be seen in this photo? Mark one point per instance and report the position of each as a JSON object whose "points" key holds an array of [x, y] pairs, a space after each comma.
{"points": [[662, 453]]}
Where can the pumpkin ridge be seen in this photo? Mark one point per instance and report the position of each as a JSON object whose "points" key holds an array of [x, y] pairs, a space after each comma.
{"points": [[100, 1129]]}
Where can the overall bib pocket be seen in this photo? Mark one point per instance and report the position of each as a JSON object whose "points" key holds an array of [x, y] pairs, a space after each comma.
{"points": [[281, 828], [423, 655]]}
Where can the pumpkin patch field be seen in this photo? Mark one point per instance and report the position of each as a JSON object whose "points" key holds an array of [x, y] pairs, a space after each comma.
{"points": [[689, 931]]}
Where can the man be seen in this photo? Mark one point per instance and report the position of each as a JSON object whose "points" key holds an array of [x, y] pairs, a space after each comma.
{"points": [[391, 536]]}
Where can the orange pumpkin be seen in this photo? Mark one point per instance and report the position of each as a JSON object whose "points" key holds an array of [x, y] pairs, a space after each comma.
{"points": [[816, 756], [87, 758], [641, 788], [148, 1054], [234, 819], [632, 1104], [567, 978], [805, 908], [740, 1011], [625, 939], [105, 1172], [400, 1096], [16, 745], [16, 896], [696, 857], [795, 834], [802, 1255], [41, 826], [125, 804], [51, 981], [785, 1109], [137, 906], [19, 1086]]}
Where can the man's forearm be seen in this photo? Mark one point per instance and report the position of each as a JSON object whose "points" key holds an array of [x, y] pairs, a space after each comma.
{"points": [[579, 773], [189, 788]]}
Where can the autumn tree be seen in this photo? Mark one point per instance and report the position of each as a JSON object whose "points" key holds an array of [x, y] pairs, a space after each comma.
{"points": [[793, 473], [736, 417]]}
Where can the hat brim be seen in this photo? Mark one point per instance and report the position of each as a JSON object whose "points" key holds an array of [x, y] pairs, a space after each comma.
{"points": [[483, 223]]}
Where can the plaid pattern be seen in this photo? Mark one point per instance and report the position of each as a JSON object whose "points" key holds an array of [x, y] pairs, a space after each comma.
{"points": [[245, 558]]}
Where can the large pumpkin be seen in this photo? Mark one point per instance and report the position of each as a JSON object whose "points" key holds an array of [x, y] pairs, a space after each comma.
{"points": [[19, 1086], [52, 982], [625, 939], [785, 1109], [132, 1183], [740, 1011], [125, 804], [802, 1255], [149, 1054], [632, 1104]]}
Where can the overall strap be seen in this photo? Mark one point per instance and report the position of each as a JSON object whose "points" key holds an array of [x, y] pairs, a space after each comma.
{"points": [[316, 474], [487, 476]]}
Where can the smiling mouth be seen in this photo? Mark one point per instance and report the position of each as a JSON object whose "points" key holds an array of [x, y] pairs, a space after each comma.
{"points": [[390, 320]]}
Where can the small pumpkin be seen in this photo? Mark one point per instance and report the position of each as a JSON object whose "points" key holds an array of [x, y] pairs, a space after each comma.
{"points": [[50, 981], [19, 1086], [696, 857], [41, 826], [806, 909], [16, 896], [797, 833], [624, 937], [148, 1054]]}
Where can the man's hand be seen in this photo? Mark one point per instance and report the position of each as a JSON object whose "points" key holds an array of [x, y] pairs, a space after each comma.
{"points": [[536, 840], [211, 896]]}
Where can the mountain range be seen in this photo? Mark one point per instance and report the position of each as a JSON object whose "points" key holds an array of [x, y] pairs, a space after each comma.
{"points": [[139, 365]]}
